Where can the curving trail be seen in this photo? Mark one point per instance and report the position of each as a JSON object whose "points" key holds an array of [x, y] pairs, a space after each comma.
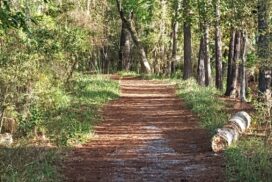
{"points": [[146, 135]]}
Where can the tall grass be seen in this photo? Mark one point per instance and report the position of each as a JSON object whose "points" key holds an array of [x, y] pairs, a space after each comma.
{"points": [[249, 160], [67, 119], [204, 102]]}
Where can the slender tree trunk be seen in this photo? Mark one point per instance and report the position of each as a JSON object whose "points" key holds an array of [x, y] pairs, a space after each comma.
{"points": [[188, 67], [88, 6], [2, 110], [72, 69], [263, 45], [125, 50], [162, 45], [218, 47], [230, 62], [134, 35], [175, 28], [204, 43], [174, 47], [105, 59], [201, 63], [207, 62], [242, 68], [235, 66]]}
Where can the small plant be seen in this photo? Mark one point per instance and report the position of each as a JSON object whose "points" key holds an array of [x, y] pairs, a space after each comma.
{"points": [[28, 124]]}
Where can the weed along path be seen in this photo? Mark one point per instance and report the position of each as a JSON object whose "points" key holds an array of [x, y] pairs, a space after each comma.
{"points": [[146, 135]]}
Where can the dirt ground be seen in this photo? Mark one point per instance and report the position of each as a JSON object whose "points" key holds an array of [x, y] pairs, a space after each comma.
{"points": [[146, 135]]}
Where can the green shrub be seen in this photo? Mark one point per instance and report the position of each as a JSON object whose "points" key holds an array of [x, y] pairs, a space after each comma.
{"points": [[72, 123]]}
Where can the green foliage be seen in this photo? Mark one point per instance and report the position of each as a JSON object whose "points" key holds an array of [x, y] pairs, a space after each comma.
{"points": [[12, 18], [250, 161], [143, 9], [127, 73], [72, 124], [65, 122], [41, 82], [29, 164], [67, 115], [204, 102]]}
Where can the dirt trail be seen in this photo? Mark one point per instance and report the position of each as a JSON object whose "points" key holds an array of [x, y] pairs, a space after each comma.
{"points": [[146, 135]]}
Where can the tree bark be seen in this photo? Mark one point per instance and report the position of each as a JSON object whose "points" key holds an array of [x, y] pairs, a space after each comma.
{"points": [[201, 63], [204, 43], [230, 62], [188, 67], [134, 35], [218, 47], [263, 45], [235, 66], [175, 28], [125, 50], [207, 61], [242, 68]]}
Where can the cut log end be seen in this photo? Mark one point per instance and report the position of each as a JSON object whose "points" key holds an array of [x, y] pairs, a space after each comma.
{"points": [[219, 144], [230, 133]]}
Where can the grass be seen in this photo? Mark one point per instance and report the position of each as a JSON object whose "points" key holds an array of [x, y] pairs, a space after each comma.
{"points": [[128, 73], [249, 160], [246, 160], [68, 121], [72, 124], [28, 164], [203, 102]]}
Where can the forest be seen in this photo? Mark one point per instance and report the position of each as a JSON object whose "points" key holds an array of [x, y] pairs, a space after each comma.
{"points": [[64, 62]]}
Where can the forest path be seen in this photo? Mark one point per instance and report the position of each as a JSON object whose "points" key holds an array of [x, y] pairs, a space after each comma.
{"points": [[146, 135]]}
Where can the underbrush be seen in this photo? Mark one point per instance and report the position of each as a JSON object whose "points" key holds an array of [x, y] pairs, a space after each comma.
{"points": [[28, 164], [72, 124], [128, 73], [63, 116], [249, 159]]}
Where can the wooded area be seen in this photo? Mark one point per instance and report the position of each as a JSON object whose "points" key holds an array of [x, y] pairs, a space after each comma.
{"points": [[48, 46]]}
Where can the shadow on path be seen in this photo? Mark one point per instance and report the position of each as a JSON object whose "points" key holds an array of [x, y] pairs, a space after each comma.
{"points": [[146, 135]]}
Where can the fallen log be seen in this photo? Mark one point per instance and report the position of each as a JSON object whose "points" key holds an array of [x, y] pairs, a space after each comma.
{"points": [[225, 136]]}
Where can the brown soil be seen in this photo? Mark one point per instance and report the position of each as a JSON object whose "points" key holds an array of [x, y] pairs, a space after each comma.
{"points": [[146, 135], [235, 105]]}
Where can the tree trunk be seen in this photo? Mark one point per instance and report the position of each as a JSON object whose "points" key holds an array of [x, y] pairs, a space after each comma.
{"points": [[204, 44], [125, 50], [175, 27], [235, 66], [130, 26], [230, 62], [242, 68], [187, 70], [174, 47], [207, 62], [1, 118], [218, 47], [201, 63], [105, 59], [263, 45]]}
